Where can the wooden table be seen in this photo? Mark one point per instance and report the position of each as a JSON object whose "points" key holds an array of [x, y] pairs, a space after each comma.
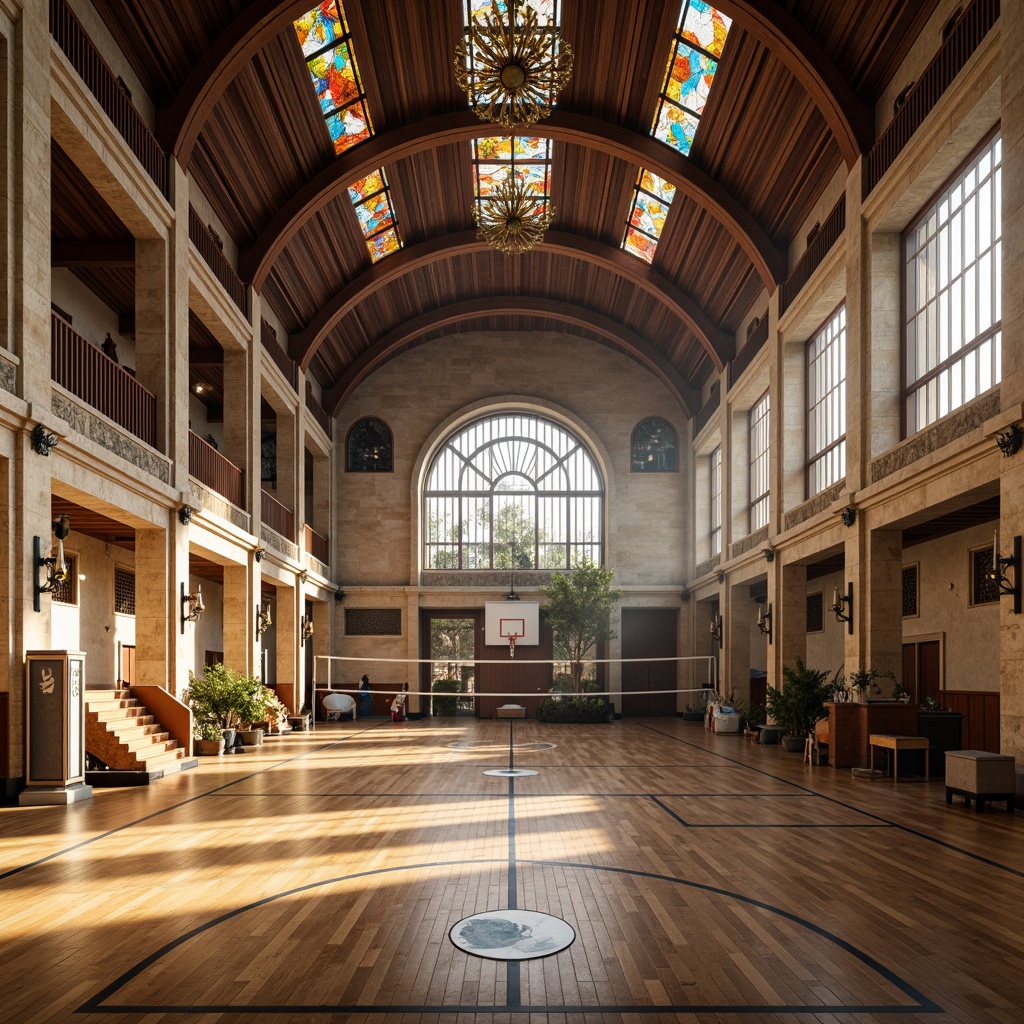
{"points": [[897, 743]]}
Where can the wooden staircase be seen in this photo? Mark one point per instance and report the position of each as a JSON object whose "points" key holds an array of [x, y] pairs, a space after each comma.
{"points": [[122, 733]]}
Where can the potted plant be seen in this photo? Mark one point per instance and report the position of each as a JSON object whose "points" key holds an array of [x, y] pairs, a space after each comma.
{"points": [[753, 716], [863, 684], [225, 697], [208, 738], [800, 703]]}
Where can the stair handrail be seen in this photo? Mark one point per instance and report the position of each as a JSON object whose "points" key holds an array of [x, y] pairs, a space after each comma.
{"points": [[170, 712]]}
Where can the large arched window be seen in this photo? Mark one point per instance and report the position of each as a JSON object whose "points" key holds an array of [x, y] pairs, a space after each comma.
{"points": [[512, 491]]}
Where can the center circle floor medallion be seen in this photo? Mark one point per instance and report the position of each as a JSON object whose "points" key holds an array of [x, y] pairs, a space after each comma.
{"points": [[512, 935], [510, 773], [478, 744]]}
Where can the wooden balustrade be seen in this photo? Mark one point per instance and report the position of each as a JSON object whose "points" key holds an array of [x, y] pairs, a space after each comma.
{"points": [[317, 410], [275, 515], [815, 252], [745, 356], [69, 35], [963, 40], [210, 468], [91, 375], [707, 410], [273, 348], [318, 546], [202, 238]]}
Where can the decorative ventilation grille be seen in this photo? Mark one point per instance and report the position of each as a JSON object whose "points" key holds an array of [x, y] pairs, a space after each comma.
{"points": [[984, 589], [815, 619], [373, 621], [909, 590], [124, 591]]}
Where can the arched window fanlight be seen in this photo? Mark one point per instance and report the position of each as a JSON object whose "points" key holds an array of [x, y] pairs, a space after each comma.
{"points": [[654, 447], [370, 448], [512, 491]]}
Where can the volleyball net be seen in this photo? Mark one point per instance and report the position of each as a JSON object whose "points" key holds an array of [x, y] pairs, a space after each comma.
{"points": [[696, 677]]}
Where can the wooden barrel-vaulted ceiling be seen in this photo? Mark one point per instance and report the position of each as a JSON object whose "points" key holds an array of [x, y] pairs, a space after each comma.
{"points": [[793, 101]]}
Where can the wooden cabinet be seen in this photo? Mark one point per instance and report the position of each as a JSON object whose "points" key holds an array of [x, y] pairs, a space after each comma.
{"points": [[850, 725]]}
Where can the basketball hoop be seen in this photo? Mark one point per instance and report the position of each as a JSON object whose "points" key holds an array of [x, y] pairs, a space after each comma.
{"points": [[511, 645]]}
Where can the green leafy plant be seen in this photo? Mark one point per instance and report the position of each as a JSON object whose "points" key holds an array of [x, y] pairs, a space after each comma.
{"points": [[800, 702], [752, 714], [445, 707], [575, 708], [579, 606], [226, 698]]}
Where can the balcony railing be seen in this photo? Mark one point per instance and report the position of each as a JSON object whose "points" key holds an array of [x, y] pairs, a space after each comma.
{"points": [[963, 40], [707, 410], [317, 410], [318, 546], [202, 238], [210, 468], [745, 356], [822, 242], [280, 519], [90, 374], [110, 94], [268, 338]]}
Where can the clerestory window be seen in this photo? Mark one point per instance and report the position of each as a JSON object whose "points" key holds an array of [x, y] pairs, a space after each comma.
{"points": [[512, 490]]}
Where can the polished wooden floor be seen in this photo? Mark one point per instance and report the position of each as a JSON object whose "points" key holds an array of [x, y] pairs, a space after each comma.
{"points": [[707, 879]]}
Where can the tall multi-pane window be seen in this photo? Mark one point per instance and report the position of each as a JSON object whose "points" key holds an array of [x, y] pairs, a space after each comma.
{"points": [[716, 501], [759, 452], [512, 490], [953, 300], [826, 405]]}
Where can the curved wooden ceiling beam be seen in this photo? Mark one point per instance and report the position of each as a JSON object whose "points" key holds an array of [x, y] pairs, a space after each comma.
{"points": [[263, 20], [621, 337], [256, 262], [848, 119], [716, 342]]}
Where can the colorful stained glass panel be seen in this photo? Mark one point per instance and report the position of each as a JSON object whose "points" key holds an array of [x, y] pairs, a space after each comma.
{"points": [[349, 127], [640, 245], [689, 78], [658, 187], [383, 244], [676, 127], [366, 187], [319, 28], [334, 80], [705, 27]]}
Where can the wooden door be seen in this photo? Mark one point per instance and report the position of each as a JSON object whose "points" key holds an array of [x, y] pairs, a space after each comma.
{"points": [[127, 666], [910, 672], [527, 675], [649, 633], [928, 670]]}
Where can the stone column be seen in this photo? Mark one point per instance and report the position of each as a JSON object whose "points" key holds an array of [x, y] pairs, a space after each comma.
{"points": [[1011, 491], [740, 621], [883, 605], [289, 665], [787, 590], [240, 619], [858, 348]]}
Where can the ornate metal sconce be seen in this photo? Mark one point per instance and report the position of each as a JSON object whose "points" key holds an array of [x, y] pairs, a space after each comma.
{"points": [[42, 440], [1010, 441], [848, 516], [192, 606], [305, 629], [53, 566], [185, 514], [259, 553], [999, 567], [764, 621], [339, 595], [842, 607], [716, 629], [263, 620], [769, 554]]}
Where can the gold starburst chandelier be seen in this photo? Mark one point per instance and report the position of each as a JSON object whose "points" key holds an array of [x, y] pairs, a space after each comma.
{"points": [[513, 217], [513, 72]]}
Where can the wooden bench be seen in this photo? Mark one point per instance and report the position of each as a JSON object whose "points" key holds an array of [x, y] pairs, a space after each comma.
{"points": [[888, 741], [980, 775]]}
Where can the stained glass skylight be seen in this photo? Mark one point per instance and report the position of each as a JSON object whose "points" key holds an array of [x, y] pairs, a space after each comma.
{"points": [[692, 62], [372, 203], [492, 161], [652, 197], [327, 46]]}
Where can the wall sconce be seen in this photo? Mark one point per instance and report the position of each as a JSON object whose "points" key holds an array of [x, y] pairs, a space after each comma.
{"points": [[339, 595], [764, 621], [305, 628], [259, 553], [769, 554], [191, 606], [716, 629], [54, 566], [999, 567], [185, 515], [1010, 441], [848, 516], [684, 596], [842, 607], [42, 440], [303, 576], [721, 577], [263, 620]]}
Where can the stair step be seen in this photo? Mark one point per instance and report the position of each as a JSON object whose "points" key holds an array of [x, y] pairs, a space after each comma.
{"points": [[163, 758], [133, 715]]}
